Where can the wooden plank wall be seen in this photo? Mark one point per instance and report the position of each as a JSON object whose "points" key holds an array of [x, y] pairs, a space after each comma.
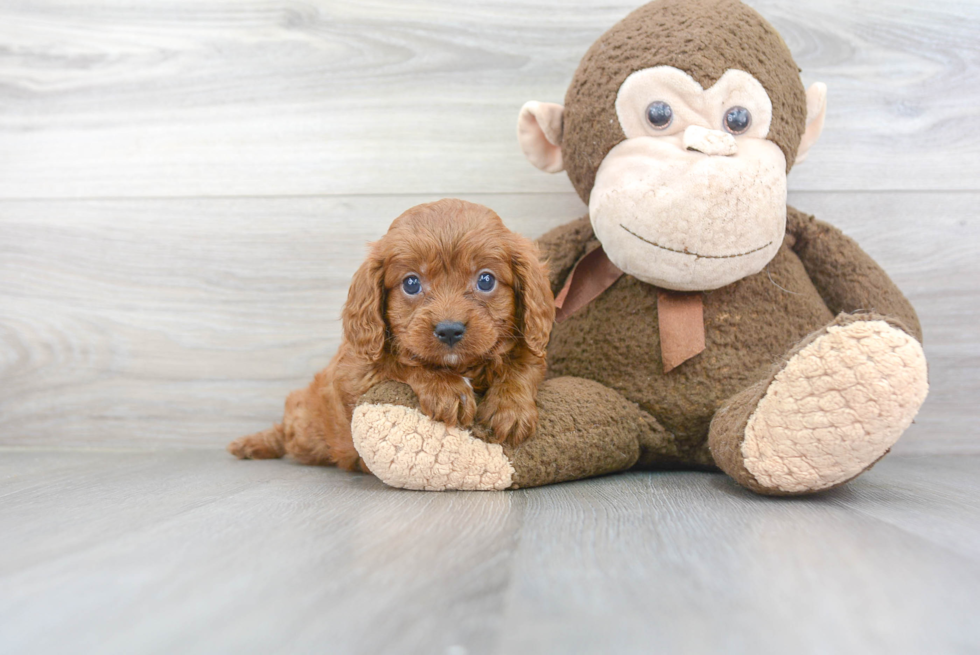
{"points": [[186, 186]]}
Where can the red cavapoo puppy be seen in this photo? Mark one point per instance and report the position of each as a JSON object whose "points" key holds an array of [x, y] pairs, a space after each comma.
{"points": [[450, 302]]}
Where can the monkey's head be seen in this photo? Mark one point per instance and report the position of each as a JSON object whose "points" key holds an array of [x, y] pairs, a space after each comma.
{"points": [[678, 130]]}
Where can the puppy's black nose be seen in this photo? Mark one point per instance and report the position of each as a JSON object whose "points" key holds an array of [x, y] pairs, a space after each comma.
{"points": [[450, 332]]}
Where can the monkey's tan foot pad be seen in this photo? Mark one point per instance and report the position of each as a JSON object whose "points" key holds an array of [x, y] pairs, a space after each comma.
{"points": [[834, 409], [407, 449]]}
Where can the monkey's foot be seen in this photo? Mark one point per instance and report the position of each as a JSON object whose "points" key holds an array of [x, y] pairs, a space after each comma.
{"points": [[837, 405], [584, 430], [835, 408], [407, 449]]}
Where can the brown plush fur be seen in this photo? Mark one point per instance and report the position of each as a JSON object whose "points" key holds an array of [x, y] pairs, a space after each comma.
{"points": [[743, 339], [388, 335], [702, 37]]}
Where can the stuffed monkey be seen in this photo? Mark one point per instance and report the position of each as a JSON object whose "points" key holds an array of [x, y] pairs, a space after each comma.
{"points": [[702, 323]]}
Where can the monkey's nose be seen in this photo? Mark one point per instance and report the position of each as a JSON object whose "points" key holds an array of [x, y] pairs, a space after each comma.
{"points": [[450, 332], [710, 142]]}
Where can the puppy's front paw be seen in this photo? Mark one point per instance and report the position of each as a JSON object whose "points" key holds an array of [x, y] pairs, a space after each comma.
{"points": [[512, 418], [448, 400]]}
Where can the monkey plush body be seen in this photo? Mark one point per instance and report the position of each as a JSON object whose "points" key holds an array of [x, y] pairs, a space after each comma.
{"points": [[751, 327], [793, 363]]}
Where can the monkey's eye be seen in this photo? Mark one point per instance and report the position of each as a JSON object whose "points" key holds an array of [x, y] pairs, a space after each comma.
{"points": [[737, 120], [412, 285], [659, 114], [486, 281]]}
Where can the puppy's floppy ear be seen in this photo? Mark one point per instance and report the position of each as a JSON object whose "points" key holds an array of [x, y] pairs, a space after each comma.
{"points": [[363, 315], [532, 290]]}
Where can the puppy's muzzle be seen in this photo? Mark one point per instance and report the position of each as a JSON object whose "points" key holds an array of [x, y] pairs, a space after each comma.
{"points": [[450, 332]]}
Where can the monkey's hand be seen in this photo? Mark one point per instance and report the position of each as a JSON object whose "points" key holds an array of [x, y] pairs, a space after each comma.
{"points": [[445, 397]]}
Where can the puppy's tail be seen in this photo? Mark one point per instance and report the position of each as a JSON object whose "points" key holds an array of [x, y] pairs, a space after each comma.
{"points": [[268, 444]]}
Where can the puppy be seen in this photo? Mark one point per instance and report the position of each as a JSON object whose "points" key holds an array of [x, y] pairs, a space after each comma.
{"points": [[450, 302]]}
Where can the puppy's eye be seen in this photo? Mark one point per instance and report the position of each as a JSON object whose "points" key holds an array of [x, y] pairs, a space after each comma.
{"points": [[660, 114], [486, 282], [412, 285], [737, 120]]}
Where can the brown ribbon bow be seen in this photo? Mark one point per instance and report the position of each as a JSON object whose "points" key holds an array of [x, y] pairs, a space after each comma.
{"points": [[680, 314]]}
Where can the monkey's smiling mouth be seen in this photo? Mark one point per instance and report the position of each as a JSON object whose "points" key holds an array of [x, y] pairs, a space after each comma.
{"points": [[694, 254]]}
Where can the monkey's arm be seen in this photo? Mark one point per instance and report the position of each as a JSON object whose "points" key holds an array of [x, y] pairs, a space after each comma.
{"points": [[847, 278], [562, 247]]}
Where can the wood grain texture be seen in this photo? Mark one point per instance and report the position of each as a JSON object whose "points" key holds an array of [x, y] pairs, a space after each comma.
{"points": [[194, 552], [694, 564], [210, 98], [186, 322]]}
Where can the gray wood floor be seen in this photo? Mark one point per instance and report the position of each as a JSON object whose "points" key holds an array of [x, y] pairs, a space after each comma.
{"points": [[194, 552], [186, 187]]}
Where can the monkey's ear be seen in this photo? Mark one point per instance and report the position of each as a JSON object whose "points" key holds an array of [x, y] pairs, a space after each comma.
{"points": [[539, 130], [816, 111]]}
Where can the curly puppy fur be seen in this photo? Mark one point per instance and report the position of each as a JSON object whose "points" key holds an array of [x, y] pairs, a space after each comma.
{"points": [[389, 335]]}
